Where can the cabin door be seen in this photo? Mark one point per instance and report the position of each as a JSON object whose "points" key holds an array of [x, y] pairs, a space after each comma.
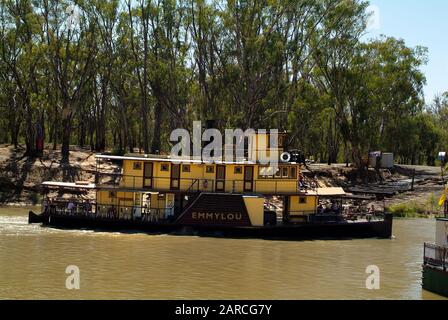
{"points": [[147, 175], [220, 184], [175, 176], [248, 179]]}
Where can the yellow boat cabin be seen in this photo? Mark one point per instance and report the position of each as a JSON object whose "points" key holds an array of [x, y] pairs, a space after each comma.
{"points": [[158, 187]]}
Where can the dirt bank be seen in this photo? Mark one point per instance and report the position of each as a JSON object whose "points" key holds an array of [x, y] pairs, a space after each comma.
{"points": [[20, 177], [424, 185]]}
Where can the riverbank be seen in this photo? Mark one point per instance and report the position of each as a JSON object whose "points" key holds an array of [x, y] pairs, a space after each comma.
{"points": [[20, 179], [423, 185], [20, 176]]}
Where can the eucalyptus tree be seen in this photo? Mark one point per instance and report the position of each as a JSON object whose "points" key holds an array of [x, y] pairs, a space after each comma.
{"points": [[170, 75], [251, 58], [125, 86], [159, 44], [138, 20], [71, 53], [10, 122], [104, 16], [205, 35], [377, 91], [122, 74], [340, 70], [396, 86], [21, 57]]}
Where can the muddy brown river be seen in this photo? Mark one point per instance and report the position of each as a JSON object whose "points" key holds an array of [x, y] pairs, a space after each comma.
{"points": [[33, 262]]}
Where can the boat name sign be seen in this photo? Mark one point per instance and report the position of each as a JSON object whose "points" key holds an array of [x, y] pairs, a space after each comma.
{"points": [[216, 216]]}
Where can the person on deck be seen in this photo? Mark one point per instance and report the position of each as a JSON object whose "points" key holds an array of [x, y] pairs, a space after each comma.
{"points": [[301, 185], [370, 213], [45, 205], [71, 207], [320, 209], [334, 207], [88, 207], [51, 206]]}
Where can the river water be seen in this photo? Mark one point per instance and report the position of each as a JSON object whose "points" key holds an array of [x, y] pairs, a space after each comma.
{"points": [[33, 261]]}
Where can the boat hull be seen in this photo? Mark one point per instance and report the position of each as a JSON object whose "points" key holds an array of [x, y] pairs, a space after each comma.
{"points": [[435, 280], [36, 218], [373, 229]]}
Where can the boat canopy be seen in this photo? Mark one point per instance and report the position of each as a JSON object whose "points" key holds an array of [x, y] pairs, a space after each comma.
{"points": [[331, 192], [150, 157], [74, 185]]}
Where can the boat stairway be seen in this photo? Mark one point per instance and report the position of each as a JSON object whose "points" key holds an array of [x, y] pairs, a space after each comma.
{"points": [[216, 203]]}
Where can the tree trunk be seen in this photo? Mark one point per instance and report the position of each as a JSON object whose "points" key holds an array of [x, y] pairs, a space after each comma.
{"points": [[145, 131], [127, 135], [14, 129], [66, 134], [55, 127], [29, 133], [156, 141]]}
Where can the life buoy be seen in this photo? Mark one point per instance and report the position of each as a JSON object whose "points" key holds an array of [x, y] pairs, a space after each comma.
{"points": [[285, 157]]}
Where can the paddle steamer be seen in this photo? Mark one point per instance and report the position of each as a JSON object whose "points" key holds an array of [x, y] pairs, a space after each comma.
{"points": [[159, 194]]}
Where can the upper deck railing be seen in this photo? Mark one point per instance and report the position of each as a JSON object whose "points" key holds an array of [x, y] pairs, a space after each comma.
{"points": [[167, 184], [436, 256]]}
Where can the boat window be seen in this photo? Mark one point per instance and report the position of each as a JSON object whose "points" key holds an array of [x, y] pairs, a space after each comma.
{"points": [[282, 172], [278, 173], [164, 167], [302, 200], [186, 168], [112, 194], [238, 170], [137, 199], [285, 172], [137, 166], [266, 172], [263, 172], [281, 141], [293, 173], [246, 147], [210, 169]]}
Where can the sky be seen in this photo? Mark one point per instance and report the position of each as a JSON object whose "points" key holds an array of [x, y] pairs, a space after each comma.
{"points": [[418, 22]]}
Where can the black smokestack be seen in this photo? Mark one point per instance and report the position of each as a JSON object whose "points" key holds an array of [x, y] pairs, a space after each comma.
{"points": [[210, 124]]}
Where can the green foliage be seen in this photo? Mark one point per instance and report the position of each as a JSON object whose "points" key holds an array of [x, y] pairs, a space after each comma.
{"points": [[414, 209], [35, 198], [129, 72]]}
